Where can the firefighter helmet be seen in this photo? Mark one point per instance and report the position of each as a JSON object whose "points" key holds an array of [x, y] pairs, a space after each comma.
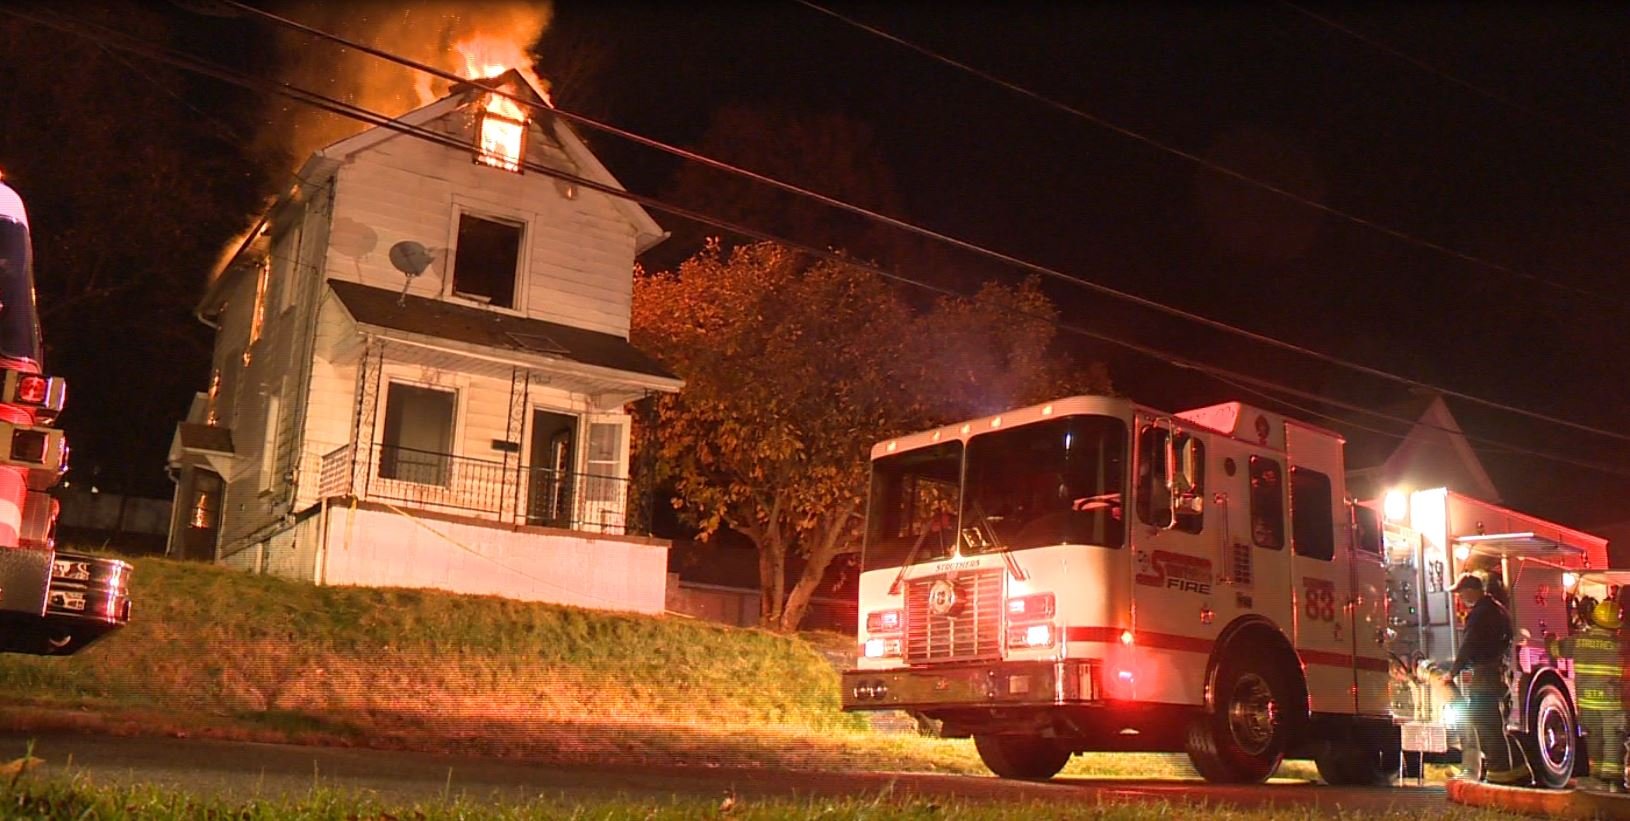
{"points": [[1606, 615]]}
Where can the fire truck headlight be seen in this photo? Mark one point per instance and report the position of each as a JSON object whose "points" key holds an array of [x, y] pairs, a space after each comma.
{"points": [[29, 446], [883, 621], [882, 648], [1030, 608], [1035, 635]]}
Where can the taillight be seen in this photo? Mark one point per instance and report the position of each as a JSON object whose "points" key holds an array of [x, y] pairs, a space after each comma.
{"points": [[31, 389], [1030, 608], [46, 393], [29, 446], [883, 621]]}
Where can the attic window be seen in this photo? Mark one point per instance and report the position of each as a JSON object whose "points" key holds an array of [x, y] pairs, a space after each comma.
{"points": [[485, 264], [501, 134]]}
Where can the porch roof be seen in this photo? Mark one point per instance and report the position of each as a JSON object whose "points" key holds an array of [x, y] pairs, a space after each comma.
{"points": [[505, 332]]}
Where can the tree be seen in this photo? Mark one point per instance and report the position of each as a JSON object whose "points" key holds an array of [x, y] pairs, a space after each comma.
{"points": [[136, 175], [793, 369]]}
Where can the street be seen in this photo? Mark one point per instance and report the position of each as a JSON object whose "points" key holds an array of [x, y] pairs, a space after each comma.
{"points": [[246, 770]]}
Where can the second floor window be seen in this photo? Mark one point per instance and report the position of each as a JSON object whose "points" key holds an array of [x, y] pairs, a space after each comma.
{"points": [[488, 256]]}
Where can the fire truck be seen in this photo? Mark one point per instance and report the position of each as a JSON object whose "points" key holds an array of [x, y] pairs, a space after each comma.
{"points": [[1091, 574], [51, 603]]}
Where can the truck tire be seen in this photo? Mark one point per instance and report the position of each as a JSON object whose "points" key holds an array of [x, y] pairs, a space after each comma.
{"points": [[1552, 746], [1024, 757], [1243, 738]]}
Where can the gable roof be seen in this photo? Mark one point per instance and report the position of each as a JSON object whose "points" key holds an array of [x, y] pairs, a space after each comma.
{"points": [[646, 231], [489, 329], [317, 167], [1434, 452]]}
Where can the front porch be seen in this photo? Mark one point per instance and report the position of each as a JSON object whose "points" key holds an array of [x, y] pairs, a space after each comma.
{"points": [[507, 493]]}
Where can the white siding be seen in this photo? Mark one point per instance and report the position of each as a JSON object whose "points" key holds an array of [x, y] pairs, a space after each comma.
{"points": [[579, 256]]}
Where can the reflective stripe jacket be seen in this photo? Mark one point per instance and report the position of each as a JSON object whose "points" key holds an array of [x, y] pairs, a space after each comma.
{"points": [[1598, 668]]}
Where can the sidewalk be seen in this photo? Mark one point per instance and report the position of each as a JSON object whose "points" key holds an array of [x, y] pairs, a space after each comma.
{"points": [[1540, 803]]}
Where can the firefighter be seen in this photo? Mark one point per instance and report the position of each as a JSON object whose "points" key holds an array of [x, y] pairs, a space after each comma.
{"points": [[1598, 676], [1485, 650]]}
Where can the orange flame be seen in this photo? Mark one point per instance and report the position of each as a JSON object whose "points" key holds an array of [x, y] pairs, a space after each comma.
{"points": [[503, 122]]}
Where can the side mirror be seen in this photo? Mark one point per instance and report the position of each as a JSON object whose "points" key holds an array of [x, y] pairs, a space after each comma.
{"points": [[1183, 471]]}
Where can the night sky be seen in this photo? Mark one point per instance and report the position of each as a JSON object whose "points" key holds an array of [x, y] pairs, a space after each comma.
{"points": [[1507, 147]]}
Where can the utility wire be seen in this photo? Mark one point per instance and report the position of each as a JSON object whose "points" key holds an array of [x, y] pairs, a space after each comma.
{"points": [[1441, 74], [1210, 165], [323, 102], [981, 250]]}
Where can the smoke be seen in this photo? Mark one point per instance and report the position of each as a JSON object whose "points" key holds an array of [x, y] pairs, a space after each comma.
{"points": [[427, 31]]}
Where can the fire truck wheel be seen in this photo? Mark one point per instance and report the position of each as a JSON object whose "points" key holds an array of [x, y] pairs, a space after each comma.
{"points": [[1552, 746], [1243, 738], [1026, 757]]}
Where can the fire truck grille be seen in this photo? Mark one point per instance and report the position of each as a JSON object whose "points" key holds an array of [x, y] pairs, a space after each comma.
{"points": [[971, 628]]}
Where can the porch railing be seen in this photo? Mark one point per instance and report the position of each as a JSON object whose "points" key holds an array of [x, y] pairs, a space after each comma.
{"points": [[484, 488]]}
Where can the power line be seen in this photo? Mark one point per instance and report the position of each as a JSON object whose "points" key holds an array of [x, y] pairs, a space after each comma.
{"points": [[323, 102], [1378, 45], [1218, 168], [988, 253]]}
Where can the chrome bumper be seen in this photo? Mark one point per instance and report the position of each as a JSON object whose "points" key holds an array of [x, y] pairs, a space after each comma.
{"points": [[984, 684]]}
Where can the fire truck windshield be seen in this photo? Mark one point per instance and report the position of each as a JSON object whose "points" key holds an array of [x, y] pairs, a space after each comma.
{"points": [[19, 324], [1060, 481]]}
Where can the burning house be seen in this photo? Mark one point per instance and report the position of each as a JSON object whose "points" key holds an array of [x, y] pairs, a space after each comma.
{"points": [[422, 373]]}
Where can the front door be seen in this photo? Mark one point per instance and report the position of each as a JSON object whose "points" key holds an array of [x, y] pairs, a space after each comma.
{"points": [[552, 469]]}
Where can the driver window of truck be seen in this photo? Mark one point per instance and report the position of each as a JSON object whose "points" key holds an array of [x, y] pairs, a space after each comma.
{"points": [[1267, 504], [1154, 499], [1311, 521]]}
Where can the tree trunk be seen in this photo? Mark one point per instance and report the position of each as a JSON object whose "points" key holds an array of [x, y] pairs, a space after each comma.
{"points": [[830, 545], [772, 568]]}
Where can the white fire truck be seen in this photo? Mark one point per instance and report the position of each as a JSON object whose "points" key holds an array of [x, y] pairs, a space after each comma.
{"points": [[1094, 575], [51, 603]]}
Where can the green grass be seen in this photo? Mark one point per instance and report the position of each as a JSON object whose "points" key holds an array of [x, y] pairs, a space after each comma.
{"points": [[218, 641], [219, 653], [76, 798]]}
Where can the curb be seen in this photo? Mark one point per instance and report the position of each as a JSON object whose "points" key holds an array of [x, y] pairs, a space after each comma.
{"points": [[1540, 803]]}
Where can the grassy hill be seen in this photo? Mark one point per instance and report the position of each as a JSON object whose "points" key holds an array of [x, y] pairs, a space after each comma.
{"points": [[220, 653], [366, 665]]}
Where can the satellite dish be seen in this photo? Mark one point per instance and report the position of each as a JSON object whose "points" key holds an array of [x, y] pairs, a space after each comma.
{"points": [[411, 258]]}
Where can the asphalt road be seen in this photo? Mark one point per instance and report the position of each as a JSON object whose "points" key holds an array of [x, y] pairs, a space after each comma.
{"points": [[246, 770]]}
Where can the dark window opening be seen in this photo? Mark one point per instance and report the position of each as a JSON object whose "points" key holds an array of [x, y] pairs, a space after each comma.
{"points": [[1267, 504], [489, 253], [1154, 497], [418, 435], [1369, 530], [1312, 523]]}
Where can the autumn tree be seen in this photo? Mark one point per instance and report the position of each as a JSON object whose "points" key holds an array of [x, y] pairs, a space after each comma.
{"points": [[793, 369]]}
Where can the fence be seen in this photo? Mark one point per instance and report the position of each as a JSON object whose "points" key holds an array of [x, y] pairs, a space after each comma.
{"points": [[509, 493]]}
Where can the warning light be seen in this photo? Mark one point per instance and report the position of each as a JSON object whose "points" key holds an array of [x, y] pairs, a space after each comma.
{"points": [[1126, 637]]}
